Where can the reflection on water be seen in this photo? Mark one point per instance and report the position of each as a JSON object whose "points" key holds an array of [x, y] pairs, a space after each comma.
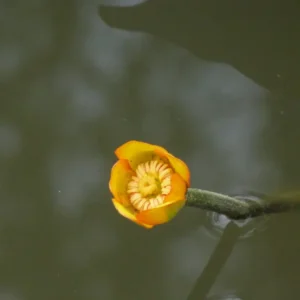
{"points": [[72, 90], [216, 223], [229, 296]]}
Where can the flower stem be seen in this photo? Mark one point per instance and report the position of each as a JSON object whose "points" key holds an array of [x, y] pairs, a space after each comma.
{"points": [[216, 262], [241, 207]]}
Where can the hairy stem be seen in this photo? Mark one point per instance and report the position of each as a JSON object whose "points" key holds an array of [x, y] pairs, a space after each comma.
{"points": [[241, 207]]}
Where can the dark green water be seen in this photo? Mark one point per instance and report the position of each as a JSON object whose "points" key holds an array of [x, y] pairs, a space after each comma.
{"points": [[74, 88]]}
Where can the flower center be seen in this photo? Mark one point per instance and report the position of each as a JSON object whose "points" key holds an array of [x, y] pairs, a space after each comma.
{"points": [[151, 184]]}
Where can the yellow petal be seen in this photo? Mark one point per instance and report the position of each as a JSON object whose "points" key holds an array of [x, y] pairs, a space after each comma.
{"points": [[129, 213], [137, 152], [160, 214], [121, 174], [178, 189], [177, 164]]}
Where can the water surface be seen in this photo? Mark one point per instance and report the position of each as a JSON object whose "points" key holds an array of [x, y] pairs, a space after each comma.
{"points": [[72, 90]]}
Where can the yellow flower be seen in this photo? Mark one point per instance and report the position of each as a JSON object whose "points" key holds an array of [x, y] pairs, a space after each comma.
{"points": [[148, 183]]}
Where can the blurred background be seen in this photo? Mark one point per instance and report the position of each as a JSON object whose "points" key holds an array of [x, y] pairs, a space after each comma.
{"points": [[78, 80]]}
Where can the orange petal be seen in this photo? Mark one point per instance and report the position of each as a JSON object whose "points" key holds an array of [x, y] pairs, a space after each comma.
{"points": [[121, 174], [178, 189], [174, 201], [137, 152], [160, 214], [178, 165], [129, 213]]}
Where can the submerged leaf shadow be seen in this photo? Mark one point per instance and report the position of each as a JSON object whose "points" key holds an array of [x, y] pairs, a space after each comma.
{"points": [[258, 38]]}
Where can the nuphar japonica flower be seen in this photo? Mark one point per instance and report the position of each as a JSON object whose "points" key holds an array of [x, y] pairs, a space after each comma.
{"points": [[148, 183]]}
